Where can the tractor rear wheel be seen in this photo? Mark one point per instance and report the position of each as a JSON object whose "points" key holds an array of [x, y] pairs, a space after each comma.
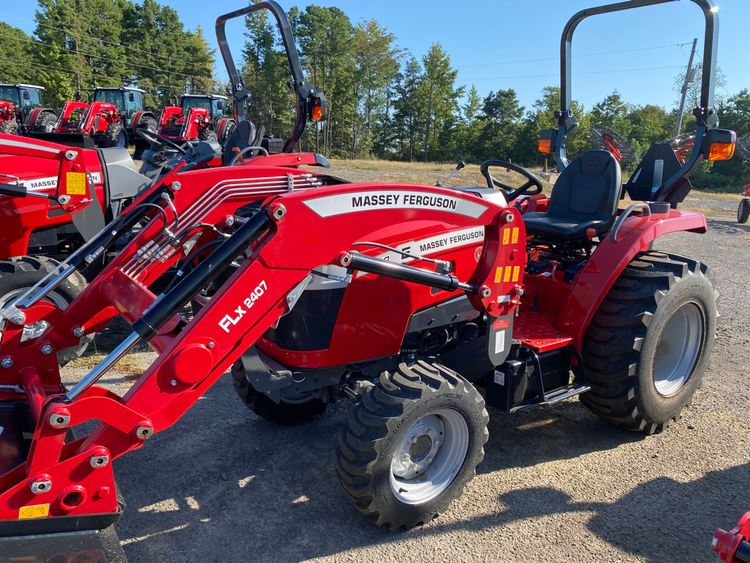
{"points": [[207, 135], [19, 274], [647, 347], [411, 444], [303, 409], [116, 136], [743, 211], [45, 123]]}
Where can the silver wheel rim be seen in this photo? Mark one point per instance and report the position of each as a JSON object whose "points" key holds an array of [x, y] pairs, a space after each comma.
{"points": [[429, 456], [33, 330], [678, 349]]}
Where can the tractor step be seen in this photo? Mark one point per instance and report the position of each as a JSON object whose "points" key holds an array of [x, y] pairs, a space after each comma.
{"points": [[101, 546], [565, 393]]}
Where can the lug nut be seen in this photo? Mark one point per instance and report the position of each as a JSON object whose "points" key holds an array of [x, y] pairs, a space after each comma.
{"points": [[46, 349], [7, 362]]}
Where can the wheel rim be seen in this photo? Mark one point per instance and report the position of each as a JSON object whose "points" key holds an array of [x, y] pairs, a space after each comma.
{"points": [[33, 330], [429, 456], [678, 349]]}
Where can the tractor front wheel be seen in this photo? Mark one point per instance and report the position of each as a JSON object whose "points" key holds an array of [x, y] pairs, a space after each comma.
{"points": [[743, 211], [18, 274], [9, 127], [646, 349], [411, 444], [45, 123], [302, 409]]}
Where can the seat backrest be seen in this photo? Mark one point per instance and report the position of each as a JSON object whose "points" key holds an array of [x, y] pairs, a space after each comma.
{"points": [[588, 189], [242, 136]]}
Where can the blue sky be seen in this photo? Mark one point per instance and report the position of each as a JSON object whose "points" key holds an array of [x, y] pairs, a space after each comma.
{"points": [[515, 43]]}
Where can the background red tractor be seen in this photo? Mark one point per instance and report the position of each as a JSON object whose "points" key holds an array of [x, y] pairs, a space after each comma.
{"points": [[22, 109], [112, 118], [204, 117]]}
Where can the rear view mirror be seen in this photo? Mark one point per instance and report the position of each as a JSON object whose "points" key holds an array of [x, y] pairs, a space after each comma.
{"points": [[131, 97]]}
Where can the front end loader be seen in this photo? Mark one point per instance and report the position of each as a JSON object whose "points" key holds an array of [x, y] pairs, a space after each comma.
{"points": [[421, 304], [22, 110], [202, 117]]}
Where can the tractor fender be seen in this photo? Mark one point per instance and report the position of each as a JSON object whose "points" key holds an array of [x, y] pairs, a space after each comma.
{"points": [[609, 260], [138, 116], [224, 126]]}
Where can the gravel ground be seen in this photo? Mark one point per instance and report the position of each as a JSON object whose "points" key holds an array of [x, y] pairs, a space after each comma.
{"points": [[556, 484]]}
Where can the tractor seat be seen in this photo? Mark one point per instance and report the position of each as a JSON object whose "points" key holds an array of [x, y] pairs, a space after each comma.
{"points": [[584, 197], [245, 134]]}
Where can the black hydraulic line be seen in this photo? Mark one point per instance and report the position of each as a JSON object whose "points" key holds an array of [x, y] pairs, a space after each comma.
{"points": [[167, 304], [448, 282]]}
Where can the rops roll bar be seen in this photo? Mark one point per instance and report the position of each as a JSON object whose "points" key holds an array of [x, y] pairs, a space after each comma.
{"points": [[310, 100]]}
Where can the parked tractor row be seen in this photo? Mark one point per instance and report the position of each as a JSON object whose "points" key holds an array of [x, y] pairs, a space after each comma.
{"points": [[113, 117], [422, 305]]}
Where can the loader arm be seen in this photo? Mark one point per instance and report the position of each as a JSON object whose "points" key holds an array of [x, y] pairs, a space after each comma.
{"points": [[295, 231]]}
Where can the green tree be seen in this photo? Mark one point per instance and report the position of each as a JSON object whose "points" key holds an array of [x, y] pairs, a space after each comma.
{"points": [[440, 99], [501, 123], [17, 63], [408, 110]]}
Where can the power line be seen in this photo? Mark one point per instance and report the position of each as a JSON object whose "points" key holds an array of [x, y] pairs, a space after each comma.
{"points": [[103, 57], [618, 70], [103, 41], [547, 59]]}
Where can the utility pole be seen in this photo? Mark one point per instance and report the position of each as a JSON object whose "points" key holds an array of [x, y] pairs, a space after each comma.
{"points": [[79, 63], [689, 75]]}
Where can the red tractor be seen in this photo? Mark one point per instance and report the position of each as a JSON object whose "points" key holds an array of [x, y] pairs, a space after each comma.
{"points": [[409, 299], [22, 110], [205, 117], [112, 118]]}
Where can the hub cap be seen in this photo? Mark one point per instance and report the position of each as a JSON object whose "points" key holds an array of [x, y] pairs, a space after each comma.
{"points": [[429, 456], [678, 349]]}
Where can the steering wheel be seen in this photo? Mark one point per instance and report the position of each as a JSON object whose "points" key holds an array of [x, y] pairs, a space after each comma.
{"points": [[510, 192], [156, 139]]}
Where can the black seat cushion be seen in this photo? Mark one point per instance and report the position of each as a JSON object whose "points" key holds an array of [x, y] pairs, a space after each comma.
{"points": [[584, 197]]}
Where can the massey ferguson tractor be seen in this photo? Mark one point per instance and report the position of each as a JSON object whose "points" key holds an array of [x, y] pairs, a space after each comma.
{"points": [[22, 110], [112, 118], [204, 117], [420, 304]]}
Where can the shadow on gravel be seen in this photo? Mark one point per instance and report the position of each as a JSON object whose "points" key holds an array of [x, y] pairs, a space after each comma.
{"points": [[728, 227], [224, 485]]}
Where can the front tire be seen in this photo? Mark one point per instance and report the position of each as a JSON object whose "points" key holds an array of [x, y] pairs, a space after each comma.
{"points": [[19, 274], [646, 349], [45, 123], [9, 127], [411, 444], [743, 211], [304, 409]]}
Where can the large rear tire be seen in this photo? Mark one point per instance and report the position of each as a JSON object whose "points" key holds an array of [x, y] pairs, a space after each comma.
{"points": [[304, 409], [19, 274], [646, 349], [743, 211], [45, 123], [411, 444], [9, 127]]}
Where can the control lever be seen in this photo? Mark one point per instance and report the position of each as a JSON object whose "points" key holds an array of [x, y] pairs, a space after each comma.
{"points": [[459, 165]]}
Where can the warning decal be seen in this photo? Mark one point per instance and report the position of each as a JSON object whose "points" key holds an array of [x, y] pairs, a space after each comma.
{"points": [[33, 511], [75, 183]]}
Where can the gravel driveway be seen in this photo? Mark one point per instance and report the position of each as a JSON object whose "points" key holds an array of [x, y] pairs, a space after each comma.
{"points": [[556, 484]]}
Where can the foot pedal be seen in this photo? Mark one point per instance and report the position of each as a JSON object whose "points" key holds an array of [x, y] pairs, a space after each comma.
{"points": [[565, 393]]}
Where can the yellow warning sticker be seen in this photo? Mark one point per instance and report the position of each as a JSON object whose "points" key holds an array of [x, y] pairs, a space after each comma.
{"points": [[499, 274], [508, 270], [506, 236], [514, 239], [33, 511], [516, 273], [75, 183]]}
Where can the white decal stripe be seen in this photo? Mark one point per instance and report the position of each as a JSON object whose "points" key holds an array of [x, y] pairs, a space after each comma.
{"points": [[22, 145], [353, 202]]}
